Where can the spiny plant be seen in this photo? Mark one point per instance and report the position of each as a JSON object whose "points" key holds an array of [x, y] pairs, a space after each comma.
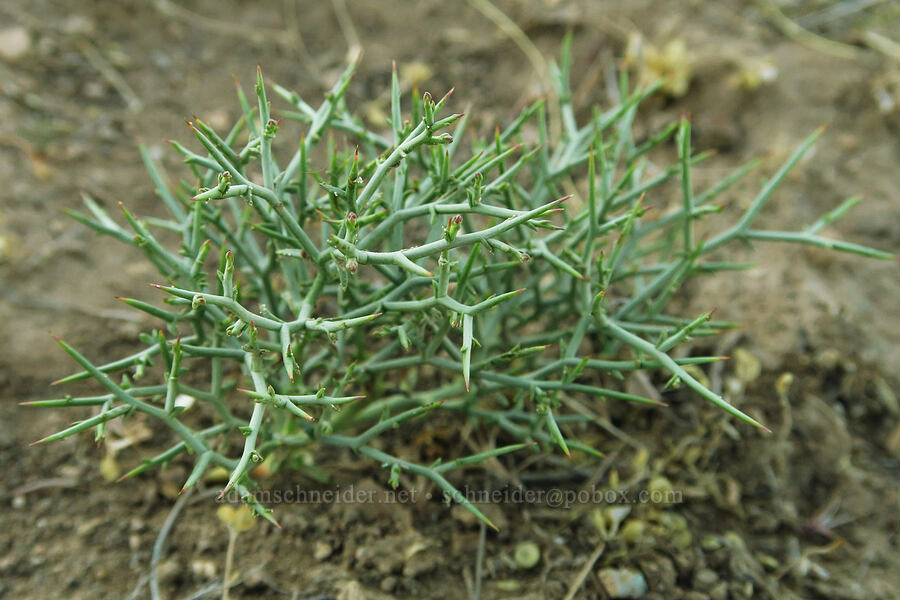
{"points": [[431, 278]]}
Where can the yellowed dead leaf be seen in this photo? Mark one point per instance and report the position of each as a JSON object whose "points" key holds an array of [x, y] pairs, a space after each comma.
{"points": [[240, 519], [746, 366], [671, 62], [109, 467], [415, 72]]}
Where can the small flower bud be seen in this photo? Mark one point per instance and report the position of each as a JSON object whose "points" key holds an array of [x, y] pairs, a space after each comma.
{"points": [[224, 182], [394, 479], [452, 228], [475, 192], [444, 138], [428, 106], [271, 128]]}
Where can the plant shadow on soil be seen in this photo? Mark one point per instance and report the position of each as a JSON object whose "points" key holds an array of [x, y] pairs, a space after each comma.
{"points": [[807, 512]]}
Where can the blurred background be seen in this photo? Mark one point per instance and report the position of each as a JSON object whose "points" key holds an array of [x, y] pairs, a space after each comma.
{"points": [[80, 82]]}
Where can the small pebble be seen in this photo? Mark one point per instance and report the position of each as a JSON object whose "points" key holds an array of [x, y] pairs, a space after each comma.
{"points": [[508, 585], [741, 591], [388, 584], [704, 579], [322, 551], [527, 555], [828, 359], [14, 43], [710, 543], [719, 591], [660, 487], [633, 531], [659, 571], [168, 570], [623, 583], [78, 25], [351, 590], [203, 568]]}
